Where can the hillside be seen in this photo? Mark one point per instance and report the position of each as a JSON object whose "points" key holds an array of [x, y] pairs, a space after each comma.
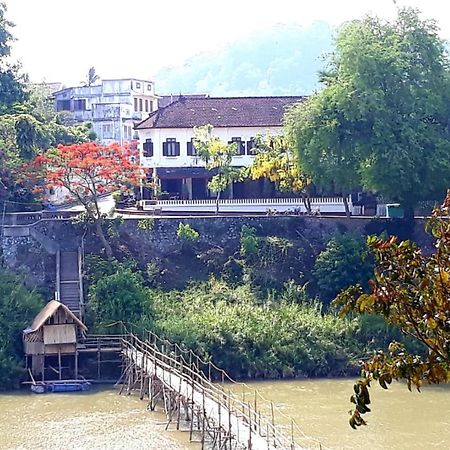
{"points": [[281, 60]]}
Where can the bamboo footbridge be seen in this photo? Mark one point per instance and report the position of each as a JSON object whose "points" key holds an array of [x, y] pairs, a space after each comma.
{"points": [[201, 399]]}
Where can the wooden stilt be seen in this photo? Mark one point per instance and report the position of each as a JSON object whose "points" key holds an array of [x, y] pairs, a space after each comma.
{"points": [[76, 364], [59, 363]]}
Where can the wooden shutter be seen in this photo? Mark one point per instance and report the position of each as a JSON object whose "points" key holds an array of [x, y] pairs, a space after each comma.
{"points": [[164, 148], [251, 147], [148, 148]]}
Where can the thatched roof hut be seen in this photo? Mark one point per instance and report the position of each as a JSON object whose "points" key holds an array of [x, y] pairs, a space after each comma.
{"points": [[54, 331]]}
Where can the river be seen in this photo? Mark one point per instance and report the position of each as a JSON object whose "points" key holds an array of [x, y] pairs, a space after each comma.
{"points": [[104, 420]]}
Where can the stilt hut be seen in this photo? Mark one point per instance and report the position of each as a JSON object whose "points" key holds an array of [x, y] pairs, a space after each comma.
{"points": [[51, 341]]}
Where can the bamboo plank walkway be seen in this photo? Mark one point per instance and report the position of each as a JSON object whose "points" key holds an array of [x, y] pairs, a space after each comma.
{"points": [[213, 412]]}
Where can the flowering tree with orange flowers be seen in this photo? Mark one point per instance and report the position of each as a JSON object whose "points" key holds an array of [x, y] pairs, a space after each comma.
{"points": [[86, 171]]}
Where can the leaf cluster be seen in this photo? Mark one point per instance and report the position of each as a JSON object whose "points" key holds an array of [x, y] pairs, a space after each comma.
{"points": [[411, 291], [380, 121]]}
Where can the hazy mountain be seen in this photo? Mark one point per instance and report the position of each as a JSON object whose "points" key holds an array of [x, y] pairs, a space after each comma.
{"points": [[281, 60]]}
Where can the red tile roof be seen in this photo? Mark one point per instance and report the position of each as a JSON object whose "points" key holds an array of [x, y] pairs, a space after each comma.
{"points": [[220, 112]]}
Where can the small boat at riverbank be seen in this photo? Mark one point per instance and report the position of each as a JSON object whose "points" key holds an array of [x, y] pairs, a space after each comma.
{"points": [[60, 386]]}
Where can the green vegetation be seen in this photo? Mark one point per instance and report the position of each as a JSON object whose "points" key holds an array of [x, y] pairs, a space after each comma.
{"points": [[147, 224], [252, 337], [381, 120], [186, 233], [248, 331], [218, 157], [18, 306], [29, 125], [409, 290], [343, 262], [120, 296]]}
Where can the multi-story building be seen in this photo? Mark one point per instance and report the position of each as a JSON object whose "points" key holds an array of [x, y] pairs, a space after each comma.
{"points": [[166, 141], [113, 106]]}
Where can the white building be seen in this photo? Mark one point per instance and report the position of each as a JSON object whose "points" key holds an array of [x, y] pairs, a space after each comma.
{"points": [[112, 106], [166, 141]]}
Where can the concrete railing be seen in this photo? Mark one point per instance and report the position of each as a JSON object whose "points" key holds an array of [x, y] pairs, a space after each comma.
{"points": [[328, 205], [28, 218]]}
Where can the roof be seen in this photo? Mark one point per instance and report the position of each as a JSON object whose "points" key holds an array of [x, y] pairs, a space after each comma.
{"points": [[166, 100], [50, 308], [189, 112]]}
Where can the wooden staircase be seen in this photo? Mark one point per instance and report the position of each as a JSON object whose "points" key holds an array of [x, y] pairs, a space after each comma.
{"points": [[69, 283]]}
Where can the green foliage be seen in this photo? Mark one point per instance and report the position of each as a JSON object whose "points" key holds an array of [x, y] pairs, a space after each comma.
{"points": [[249, 241], [276, 161], [381, 119], [120, 296], [249, 339], [269, 261], [186, 233], [410, 290], [343, 262], [147, 224], [11, 81], [18, 307], [218, 157], [114, 226]]}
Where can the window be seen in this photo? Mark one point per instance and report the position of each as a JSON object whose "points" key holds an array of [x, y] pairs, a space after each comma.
{"points": [[136, 104], [107, 131], [240, 145], [141, 105], [147, 148], [63, 105], [251, 146], [149, 87], [171, 147], [138, 85], [79, 105], [191, 150], [146, 105], [151, 106]]}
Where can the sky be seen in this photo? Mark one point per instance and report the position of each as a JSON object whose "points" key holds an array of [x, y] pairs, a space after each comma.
{"points": [[58, 40]]}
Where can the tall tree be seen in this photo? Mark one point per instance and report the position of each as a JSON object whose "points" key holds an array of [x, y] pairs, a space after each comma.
{"points": [[218, 157], [381, 121], [87, 171], [11, 82], [276, 161], [411, 291]]}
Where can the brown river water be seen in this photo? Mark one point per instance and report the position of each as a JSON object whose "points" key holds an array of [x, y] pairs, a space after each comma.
{"points": [[102, 419]]}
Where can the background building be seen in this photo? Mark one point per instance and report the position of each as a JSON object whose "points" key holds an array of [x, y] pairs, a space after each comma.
{"points": [[112, 106]]}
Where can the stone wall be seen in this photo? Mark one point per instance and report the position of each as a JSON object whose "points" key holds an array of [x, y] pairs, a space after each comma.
{"points": [[155, 241]]}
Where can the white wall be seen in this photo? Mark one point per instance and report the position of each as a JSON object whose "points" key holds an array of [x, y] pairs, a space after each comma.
{"points": [[183, 135]]}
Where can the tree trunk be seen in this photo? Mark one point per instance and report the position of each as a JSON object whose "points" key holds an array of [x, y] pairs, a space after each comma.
{"points": [[217, 202], [347, 208], [306, 202], [101, 236]]}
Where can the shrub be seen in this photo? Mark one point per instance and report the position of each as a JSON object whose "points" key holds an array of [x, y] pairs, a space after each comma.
{"points": [[186, 233], [120, 296], [248, 338], [18, 307], [147, 224], [249, 241], [343, 262]]}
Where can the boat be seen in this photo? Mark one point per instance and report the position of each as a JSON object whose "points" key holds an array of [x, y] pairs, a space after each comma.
{"points": [[53, 386]]}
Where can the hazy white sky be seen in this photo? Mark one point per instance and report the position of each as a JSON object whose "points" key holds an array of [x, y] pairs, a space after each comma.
{"points": [[58, 40]]}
